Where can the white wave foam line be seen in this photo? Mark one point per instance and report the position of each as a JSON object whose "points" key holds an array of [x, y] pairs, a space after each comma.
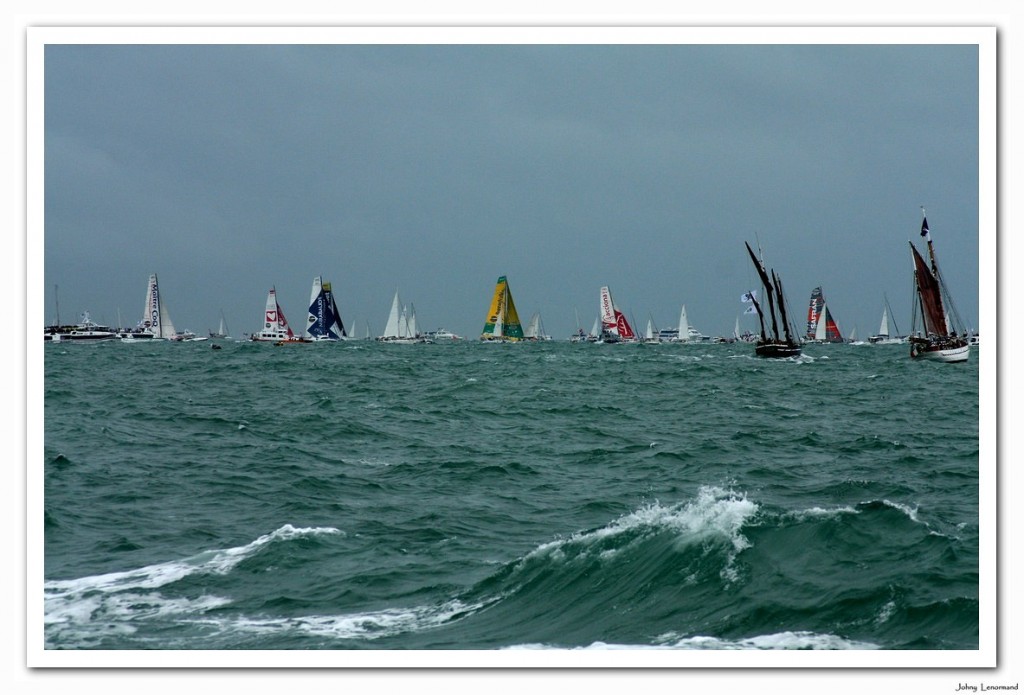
{"points": [[716, 513], [778, 641], [155, 576], [368, 626], [818, 512], [911, 512], [106, 604]]}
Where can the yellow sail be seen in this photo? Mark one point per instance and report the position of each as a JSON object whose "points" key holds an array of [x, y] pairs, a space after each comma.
{"points": [[502, 318]]}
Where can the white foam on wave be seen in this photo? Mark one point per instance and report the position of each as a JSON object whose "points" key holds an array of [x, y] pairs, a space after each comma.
{"points": [[777, 641], [714, 514], [367, 626], [104, 604]]}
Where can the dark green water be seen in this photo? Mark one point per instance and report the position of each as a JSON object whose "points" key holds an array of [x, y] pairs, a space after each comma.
{"points": [[470, 496]]}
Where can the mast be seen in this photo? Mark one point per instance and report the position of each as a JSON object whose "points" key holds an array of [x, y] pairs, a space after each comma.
{"points": [[767, 288], [782, 310]]}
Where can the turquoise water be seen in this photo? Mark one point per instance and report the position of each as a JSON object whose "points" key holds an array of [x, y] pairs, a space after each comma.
{"points": [[475, 496]]}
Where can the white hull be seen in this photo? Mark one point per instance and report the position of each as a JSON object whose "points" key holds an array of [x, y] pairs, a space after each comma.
{"points": [[955, 354]]}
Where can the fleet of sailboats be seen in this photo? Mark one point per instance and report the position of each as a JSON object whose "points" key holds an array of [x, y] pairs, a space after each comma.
{"points": [[936, 329]]}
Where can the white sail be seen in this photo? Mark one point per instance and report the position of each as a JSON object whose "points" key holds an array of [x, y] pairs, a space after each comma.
{"points": [[533, 329], [821, 330], [596, 330], [736, 329], [413, 330], [156, 319], [883, 329], [275, 325], [649, 333], [391, 329], [609, 323], [684, 325]]}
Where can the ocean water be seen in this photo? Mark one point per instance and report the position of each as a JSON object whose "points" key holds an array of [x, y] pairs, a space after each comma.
{"points": [[361, 496]]}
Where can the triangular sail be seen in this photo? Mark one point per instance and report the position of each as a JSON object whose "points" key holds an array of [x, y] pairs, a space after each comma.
{"points": [[392, 327], [883, 328], [814, 310], [930, 296], [609, 322], [156, 319], [820, 329], [684, 325], [532, 331], [323, 322], [502, 317]]}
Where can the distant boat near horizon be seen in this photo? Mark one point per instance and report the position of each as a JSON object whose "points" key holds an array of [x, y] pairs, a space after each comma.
{"points": [[502, 324], [821, 327], [401, 326], [275, 325], [775, 345], [324, 321], [615, 328], [883, 337]]}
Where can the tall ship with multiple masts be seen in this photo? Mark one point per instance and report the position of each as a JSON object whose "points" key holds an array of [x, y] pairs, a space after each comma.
{"points": [[774, 345], [502, 322], [936, 337]]}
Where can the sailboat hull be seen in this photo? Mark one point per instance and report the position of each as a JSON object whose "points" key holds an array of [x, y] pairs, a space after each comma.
{"points": [[777, 350], [952, 350]]}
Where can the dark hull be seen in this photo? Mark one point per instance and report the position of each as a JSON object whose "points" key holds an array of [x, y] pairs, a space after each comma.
{"points": [[773, 349]]}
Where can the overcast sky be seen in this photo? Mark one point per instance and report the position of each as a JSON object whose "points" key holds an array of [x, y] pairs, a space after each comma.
{"points": [[433, 169]]}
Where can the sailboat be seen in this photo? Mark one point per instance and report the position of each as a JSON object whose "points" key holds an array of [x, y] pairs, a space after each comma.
{"points": [[222, 330], [502, 322], [821, 327], [884, 337], [324, 321], [774, 345], [156, 320], [535, 329], [615, 327], [652, 334], [275, 326], [401, 326], [936, 339]]}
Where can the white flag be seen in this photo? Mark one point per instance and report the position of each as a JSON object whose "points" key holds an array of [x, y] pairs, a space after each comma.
{"points": [[748, 297]]}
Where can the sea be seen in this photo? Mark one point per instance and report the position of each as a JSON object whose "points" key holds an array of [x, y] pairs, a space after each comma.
{"points": [[511, 497]]}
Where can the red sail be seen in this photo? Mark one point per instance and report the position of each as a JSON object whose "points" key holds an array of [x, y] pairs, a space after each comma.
{"points": [[625, 330], [931, 297]]}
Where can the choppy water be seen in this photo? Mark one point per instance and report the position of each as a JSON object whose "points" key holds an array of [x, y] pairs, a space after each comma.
{"points": [[471, 496]]}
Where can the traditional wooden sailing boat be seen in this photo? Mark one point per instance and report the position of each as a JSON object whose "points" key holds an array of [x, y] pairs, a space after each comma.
{"points": [[773, 345], [936, 338]]}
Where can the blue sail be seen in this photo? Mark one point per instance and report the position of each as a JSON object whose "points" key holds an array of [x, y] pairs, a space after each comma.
{"points": [[323, 322]]}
